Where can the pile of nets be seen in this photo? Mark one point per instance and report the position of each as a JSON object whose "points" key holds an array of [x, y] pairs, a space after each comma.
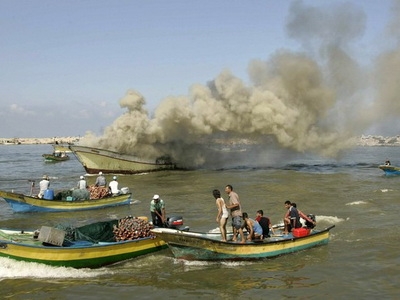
{"points": [[127, 228], [79, 194], [98, 192]]}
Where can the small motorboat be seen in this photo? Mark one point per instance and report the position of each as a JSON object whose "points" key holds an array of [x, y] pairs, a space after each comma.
{"points": [[56, 156], [208, 246], [23, 203], [389, 169], [90, 246]]}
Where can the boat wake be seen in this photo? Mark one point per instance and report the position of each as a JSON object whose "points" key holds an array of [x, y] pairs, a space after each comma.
{"points": [[10, 269], [190, 265], [356, 203], [328, 219]]}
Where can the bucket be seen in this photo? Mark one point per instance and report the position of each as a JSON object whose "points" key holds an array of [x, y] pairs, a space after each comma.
{"points": [[48, 194]]}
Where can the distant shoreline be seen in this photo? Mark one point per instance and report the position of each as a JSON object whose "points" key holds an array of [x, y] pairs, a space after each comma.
{"points": [[34, 141], [364, 140]]}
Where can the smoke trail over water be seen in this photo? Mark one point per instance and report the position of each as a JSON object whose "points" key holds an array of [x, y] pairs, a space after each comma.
{"points": [[298, 102]]}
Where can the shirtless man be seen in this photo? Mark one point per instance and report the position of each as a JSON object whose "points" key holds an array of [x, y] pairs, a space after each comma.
{"points": [[253, 228]]}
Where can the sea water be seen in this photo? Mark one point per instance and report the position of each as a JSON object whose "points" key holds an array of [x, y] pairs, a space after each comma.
{"points": [[361, 260]]}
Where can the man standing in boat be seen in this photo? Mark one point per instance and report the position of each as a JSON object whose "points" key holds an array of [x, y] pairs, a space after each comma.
{"points": [[157, 210], [236, 213]]}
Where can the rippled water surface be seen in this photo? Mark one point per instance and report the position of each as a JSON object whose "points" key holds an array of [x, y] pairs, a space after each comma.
{"points": [[361, 259]]}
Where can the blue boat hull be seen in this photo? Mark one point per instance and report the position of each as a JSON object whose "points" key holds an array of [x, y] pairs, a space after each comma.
{"points": [[23, 204], [390, 170]]}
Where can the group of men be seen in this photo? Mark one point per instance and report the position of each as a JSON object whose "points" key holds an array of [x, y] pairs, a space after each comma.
{"points": [[101, 181], [258, 228]]}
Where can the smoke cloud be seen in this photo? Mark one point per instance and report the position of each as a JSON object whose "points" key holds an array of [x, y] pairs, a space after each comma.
{"points": [[314, 101]]}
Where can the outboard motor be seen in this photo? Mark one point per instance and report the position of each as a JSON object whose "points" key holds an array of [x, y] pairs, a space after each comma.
{"points": [[309, 224], [175, 222]]}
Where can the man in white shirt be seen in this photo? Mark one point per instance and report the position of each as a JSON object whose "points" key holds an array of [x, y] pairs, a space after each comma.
{"points": [[113, 185], [82, 185], [43, 185]]}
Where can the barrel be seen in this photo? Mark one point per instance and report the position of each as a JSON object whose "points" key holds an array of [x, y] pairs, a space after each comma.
{"points": [[48, 194]]}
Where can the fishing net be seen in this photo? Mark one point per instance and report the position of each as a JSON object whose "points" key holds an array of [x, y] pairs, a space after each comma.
{"points": [[128, 228]]}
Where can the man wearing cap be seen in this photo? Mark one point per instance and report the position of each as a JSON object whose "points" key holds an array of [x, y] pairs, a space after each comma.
{"points": [[82, 184], [101, 180], [43, 186], [114, 186], [157, 210]]}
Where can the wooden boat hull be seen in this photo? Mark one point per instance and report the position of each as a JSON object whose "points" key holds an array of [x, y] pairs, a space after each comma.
{"points": [[198, 246], [95, 160], [390, 170], [21, 203], [84, 256]]}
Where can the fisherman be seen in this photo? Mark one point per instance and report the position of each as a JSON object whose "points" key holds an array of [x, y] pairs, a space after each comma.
{"points": [[236, 213], [44, 184], [265, 223], [291, 219], [113, 186], [253, 228], [309, 219], [82, 184], [157, 210], [101, 180]]}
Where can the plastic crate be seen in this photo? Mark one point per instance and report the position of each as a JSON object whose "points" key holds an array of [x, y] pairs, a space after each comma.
{"points": [[51, 235]]}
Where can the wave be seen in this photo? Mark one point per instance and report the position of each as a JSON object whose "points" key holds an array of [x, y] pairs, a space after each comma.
{"points": [[10, 269]]}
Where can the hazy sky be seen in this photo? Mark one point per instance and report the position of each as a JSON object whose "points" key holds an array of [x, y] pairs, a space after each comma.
{"points": [[65, 65]]}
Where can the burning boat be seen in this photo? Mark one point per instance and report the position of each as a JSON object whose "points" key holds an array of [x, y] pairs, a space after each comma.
{"points": [[95, 160]]}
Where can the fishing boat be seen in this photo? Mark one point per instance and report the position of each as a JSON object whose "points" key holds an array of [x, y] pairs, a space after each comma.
{"points": [[208, 246], [390, 170], [22, 203], [89, 246], [56, 156], [96, 160]]}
